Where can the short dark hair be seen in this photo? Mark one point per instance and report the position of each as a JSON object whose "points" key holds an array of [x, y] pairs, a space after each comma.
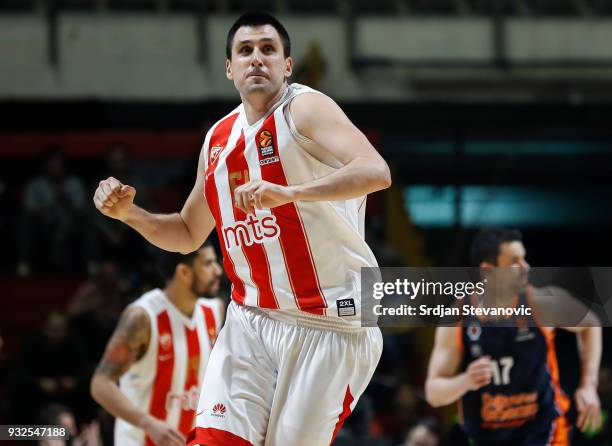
{"points": [[485, 247], [168, 261], [258, 19]]}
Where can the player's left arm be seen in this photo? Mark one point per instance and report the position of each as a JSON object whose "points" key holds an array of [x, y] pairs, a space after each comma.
{"points": [[586, 397], [363, 170], [553, 304]]}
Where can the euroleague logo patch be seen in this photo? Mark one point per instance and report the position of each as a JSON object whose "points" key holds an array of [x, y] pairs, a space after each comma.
{"points": [[265, 144]]}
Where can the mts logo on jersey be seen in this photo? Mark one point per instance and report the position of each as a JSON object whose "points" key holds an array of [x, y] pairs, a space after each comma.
{"points": [[249, 231]]}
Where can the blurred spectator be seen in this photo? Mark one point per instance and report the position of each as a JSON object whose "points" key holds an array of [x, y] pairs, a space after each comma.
{"points": [[4, 406], [59, 415], [54, 216], [356, 428], [424, 433], [312, 69], [119, 165], [95, 308], [51, 370], [399, 406], [117, 241]]}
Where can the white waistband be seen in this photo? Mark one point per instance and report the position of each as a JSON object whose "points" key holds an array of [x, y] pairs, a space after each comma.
{"points": [[304, 319]]}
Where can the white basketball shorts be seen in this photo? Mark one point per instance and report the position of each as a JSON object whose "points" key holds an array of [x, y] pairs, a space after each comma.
{"points": [[271, 382]]}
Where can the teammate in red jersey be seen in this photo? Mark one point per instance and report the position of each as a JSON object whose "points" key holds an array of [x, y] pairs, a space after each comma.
{"points": [[159, 352], [283, 178]]}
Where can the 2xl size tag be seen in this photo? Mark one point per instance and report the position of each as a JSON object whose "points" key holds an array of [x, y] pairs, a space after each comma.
{"points": [[346, 307]]}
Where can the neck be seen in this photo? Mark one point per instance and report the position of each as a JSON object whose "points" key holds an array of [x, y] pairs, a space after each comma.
{"points": [[257, 104], [182, 299], [498, 298]]}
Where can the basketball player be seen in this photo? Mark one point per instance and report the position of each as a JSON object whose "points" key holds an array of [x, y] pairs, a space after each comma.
{"points": [[283, 177], [159, 351], [506, 378]]}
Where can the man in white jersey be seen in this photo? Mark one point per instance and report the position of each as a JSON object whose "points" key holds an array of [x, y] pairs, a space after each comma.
{"points": [[159, 352], [283, 177]]}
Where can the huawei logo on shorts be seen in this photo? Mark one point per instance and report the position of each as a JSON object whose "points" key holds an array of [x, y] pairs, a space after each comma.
{"points": [[218, 410]]}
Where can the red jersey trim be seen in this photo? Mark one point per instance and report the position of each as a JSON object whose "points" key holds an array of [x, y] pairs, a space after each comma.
{"points": [[191, 377], [219, 138], [237, 170], [293, 238], [210, 436], [164, 370], [346, 411], [211, 325]]}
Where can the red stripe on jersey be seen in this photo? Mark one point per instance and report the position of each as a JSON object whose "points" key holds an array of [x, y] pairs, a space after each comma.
{"points": [[163, 371], [215, 437], [211, 325], [255, 254], [219, 138], [191, 380], [346, 411], [293, 239]]}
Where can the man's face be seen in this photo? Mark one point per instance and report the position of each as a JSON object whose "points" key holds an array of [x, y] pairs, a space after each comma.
{"points": [[258, 63], [206, 273], [511, 273]]}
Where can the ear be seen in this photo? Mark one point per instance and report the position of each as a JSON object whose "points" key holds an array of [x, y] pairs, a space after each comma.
{"points": [[288, 67], [486, 267], [228, 69], [182, 272]]}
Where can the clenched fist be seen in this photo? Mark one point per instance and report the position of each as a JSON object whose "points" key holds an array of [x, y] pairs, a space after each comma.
{"points": [[113, 198], [479, 373], [259, 194], [162, 434]]}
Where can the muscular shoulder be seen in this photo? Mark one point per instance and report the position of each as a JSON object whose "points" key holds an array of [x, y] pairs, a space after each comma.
{"points": [[128, 343], [310, 110], [135, 320], [557, 307]]}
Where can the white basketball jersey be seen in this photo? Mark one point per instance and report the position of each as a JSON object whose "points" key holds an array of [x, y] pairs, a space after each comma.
{"points": [[165, 381], [305, 255]]}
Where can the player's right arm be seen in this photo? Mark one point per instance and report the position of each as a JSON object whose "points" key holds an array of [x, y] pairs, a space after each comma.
{"points": [[182, 232], [444, 384], [129, 343]]}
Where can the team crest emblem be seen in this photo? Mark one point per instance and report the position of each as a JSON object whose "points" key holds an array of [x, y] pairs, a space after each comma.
{"points": [[473, 331], [265, 144], [166, 341], [214, 153]]}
